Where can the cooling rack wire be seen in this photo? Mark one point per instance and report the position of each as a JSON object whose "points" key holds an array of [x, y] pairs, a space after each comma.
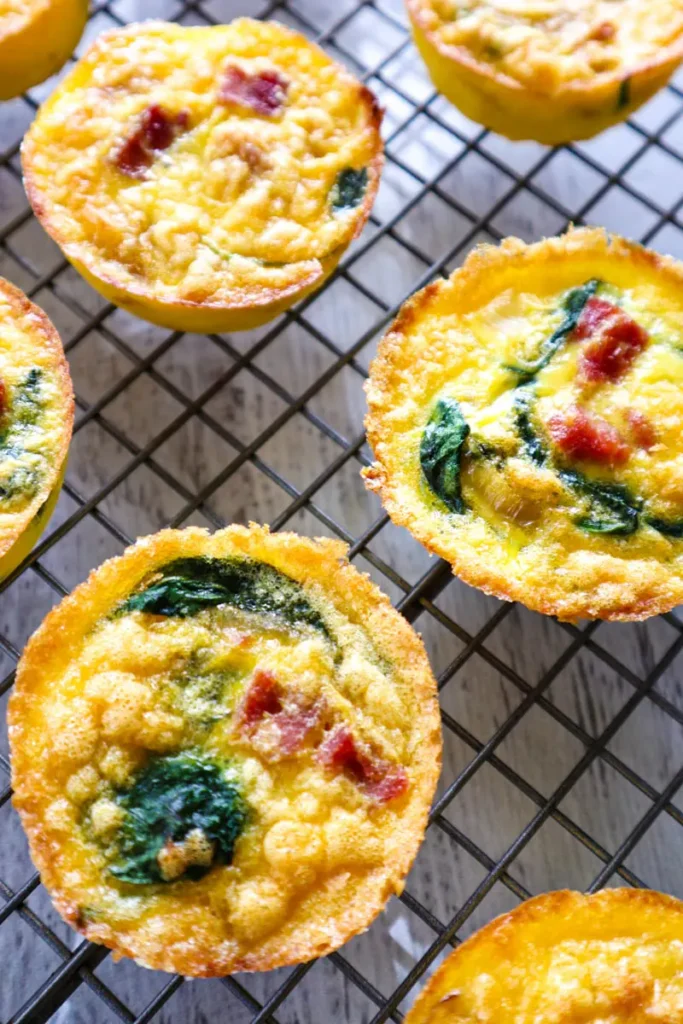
{"points": [[563, 761]]}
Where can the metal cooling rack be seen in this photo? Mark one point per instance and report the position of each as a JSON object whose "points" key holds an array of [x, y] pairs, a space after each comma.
{"points": [[563, 745]]}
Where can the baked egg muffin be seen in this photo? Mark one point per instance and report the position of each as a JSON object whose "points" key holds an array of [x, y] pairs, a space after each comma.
{"points": [[36, 417], [205, 178], [36, 39], [224, 749], [612, 958], [526, 416], [550, 70]]}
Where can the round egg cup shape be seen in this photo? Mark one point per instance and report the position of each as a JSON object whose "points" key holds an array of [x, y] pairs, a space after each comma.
{"points": [[21, 533], [322, 568], [579, 109], [601, 585], [540, 923], [39, 43], [238, 309]]}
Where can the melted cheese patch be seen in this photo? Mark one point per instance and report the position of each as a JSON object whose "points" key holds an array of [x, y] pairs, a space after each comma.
{"points": [[146, 686], [546, 44], [582, 960], [240, 200]]}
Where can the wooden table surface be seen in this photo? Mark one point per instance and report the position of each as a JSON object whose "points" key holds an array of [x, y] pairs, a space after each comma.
{"points": [[556, 782]]}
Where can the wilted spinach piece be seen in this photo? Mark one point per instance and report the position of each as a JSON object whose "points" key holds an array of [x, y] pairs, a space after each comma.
{"points": [[532, 444], [188, 585], [613, 509], [573, 304], [349, 189], [23, 412], [667, 527], [171, 797], [441, 452]]}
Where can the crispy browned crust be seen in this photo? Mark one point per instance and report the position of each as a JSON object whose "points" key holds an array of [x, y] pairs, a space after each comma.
{"points": [[577, 90], [313, 271], [35, 320], [626, 600], [321, 565], [551, 907]]}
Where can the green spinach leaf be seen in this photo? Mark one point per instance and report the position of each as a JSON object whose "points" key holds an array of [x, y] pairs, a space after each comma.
{"points": [[169, 799], [188, 585], [532, 444], [667, 527], [624, 94], [441, 452], [349, 189], [573, 304], [612, 508]]}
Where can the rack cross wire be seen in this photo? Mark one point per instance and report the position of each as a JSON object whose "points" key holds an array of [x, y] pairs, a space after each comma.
{"points": [[563, 744]]}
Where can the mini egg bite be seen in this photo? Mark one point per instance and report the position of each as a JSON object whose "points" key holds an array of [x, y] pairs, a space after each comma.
{"points": [[36, 39], [205, 178], [36, 417], [224, 750], [548, 70], [526, 416], [615, 956]]}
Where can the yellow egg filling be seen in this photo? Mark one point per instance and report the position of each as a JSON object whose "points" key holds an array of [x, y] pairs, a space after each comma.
{"points": [[190, 170], [526, 416], [230, 771]]}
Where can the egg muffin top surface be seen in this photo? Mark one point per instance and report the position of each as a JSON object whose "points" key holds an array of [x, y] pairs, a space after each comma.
{"points": [[527, 421], [36, 411], [205, 167], [223, 750], [612, 958], [548, 45]]}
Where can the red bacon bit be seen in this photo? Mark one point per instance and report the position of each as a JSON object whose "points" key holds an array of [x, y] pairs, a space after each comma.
{"points": [[615, 339], [155, 132], [594, 314], [263, 92], [261, 699], [295, 726], [604, 32], [380, 779], [642, 429], [264, 698], [583, 436], [3, 398]]}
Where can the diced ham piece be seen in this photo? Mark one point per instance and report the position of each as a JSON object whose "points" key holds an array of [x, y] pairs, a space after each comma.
{"points": [[614, 340], [264, 698], [594, 314], [380, 779], [155, 132], [295, 726], [264, 92], [584, 436], [641, 428]]}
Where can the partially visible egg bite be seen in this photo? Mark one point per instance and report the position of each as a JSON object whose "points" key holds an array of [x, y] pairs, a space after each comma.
{"points": [[526, 416], [224, 750], [549, 70], [205, 178], [36, 39], [36, 417], [612, 958]]}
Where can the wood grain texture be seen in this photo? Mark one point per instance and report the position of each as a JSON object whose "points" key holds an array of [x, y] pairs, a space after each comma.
{"points": [[581, 687]]}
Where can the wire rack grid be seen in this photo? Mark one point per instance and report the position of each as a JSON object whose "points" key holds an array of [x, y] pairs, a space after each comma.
{"points": [[563, 745]]}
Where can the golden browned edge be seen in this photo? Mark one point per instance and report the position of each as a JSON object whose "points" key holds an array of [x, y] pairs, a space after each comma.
{"points": [[579, 89], [559, 904], [21, 307], [246, 299], [385, 374], [320, 564]]}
